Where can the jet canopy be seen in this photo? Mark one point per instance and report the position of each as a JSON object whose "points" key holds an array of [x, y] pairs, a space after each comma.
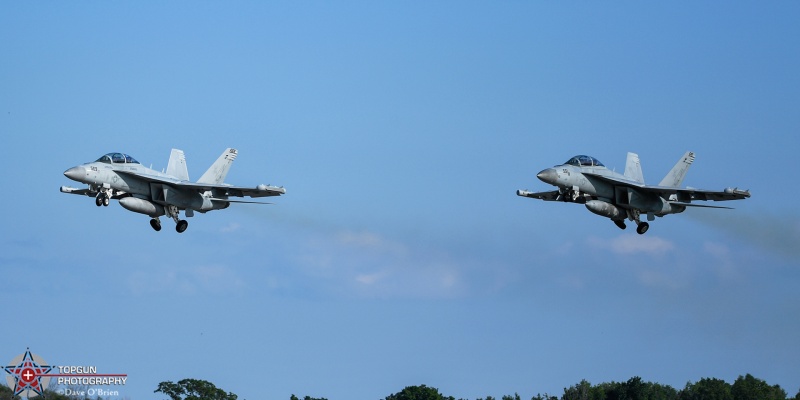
{"points": [[584, 161], [117, 158]]}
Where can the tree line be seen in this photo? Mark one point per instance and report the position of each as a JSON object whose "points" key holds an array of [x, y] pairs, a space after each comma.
{"points": [[745, 387]]}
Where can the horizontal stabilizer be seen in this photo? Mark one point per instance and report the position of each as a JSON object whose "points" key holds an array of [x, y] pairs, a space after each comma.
{"points": [[238, 201], [677, 203]]}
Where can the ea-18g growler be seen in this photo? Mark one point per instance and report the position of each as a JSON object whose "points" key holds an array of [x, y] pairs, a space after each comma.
{"points": [[585, 180], [139, 189]]}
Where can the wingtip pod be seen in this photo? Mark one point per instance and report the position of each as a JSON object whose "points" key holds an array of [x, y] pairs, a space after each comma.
{"points": [[262, 187], [523, 193], [737, 191]]}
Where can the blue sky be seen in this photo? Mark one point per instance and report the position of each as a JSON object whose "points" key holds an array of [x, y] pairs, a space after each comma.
{"points": [[400, 254]]}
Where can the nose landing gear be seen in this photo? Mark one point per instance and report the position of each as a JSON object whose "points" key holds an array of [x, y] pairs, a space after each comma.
{"points": [[102, 199]]}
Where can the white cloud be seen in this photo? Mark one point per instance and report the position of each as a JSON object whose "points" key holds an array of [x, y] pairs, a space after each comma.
{"points": [[630, 244], [216, 278], [779, 234], [186, 280], [656, 277], [369, 240], [659, 270], [565, 248], [370, 279], [370, 265], [232, 227], [141, 282], [722, 262], [719, 251]]}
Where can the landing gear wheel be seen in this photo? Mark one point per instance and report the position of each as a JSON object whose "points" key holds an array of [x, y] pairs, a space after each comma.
{"points": [[156, 224], [620, 224], [642, 228], [182, 225], [101, 199]]}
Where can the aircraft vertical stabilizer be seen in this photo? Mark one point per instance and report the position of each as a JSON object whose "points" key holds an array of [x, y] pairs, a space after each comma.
{"points": [[633, 168], [675, 176], [177, 165], [219, 170]]}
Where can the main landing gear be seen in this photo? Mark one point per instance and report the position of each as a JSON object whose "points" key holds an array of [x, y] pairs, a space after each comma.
{"points": [[172, 212], [641, 227], [180, 226]]}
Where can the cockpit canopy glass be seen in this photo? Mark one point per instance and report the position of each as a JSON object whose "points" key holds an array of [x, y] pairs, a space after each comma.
{"points": [[117, 158], [584, 161]]}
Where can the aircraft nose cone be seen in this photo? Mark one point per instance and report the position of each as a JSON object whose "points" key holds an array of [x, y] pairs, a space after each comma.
{"points": [[548, 175], [75, 173]]}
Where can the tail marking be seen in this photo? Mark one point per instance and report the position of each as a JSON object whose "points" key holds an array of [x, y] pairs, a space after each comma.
{"points": [[219, 170], [675, 176]]}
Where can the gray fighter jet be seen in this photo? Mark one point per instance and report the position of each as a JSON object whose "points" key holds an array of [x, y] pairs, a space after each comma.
{"points": [[585, 180], [139, 189]]}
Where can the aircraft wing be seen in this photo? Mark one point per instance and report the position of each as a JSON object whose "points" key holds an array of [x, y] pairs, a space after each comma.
{"points": [[617, 182], [258, 191], [680, 194], [546, 196], [221, 189], [715, 195]]}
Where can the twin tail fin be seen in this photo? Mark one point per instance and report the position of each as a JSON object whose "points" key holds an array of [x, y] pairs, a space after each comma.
{"points": [[675, 176], [177, 165], [219, 170], [633, 168]]}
